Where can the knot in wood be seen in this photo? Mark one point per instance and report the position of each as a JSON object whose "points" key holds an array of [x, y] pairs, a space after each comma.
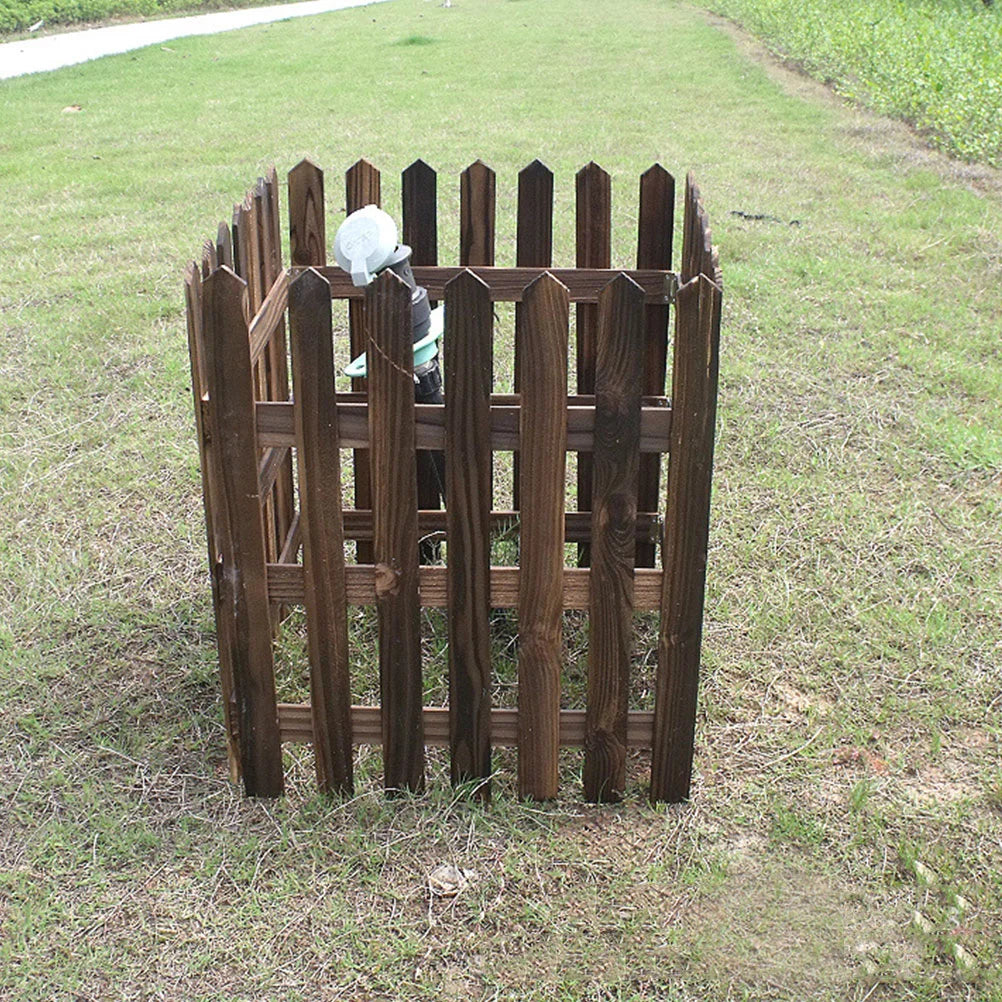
{"points": [[387, 580]]}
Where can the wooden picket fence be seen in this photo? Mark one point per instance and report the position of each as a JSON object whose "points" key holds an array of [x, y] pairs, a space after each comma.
{"points": [[260, 336]]}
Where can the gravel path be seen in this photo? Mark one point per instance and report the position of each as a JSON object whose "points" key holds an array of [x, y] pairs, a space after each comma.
{"points": [[36, 55]]}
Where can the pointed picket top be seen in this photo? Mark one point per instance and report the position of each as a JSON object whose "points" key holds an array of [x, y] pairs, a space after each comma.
{"points": [[656, 218], [477, 194], [534, 240], [419, 195], [307, 227], [362, 185]]}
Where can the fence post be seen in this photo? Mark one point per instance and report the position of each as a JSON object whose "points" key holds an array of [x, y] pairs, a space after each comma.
{"points": [[542, 340], [468, 351], [307, 226], [618, 379], [395, 528], [243, 588], [690, 471], [317, 442]]}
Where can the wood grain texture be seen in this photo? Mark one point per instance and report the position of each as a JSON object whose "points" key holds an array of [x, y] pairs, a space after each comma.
{"points": [[362, 188], [654, 250], [367, 726], [476, 215], [285, 584], [210, 502], [395, 546], [694, 390], [224, 246], [243, 589], [317, 442], [533, 248], [307, 225], [542, 339], [593, 194], [468, 366], [275, 424], [507, 284], [618, 378]]}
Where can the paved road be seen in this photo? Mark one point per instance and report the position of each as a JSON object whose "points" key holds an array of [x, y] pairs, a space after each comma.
{"points": [[35, 55]]}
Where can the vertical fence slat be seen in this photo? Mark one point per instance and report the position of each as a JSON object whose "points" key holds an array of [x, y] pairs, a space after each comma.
{"points": [[533, 245], [362, 188], [307, 225], [477, 188], [593, 191], [618, 379], [419, 188], [278, 359], [395, 528], [694, 397], [420, 232], [320, 519], [224, 246], [654, 250], [468, 351], [196, 354], [244, 596], [542, 339]]}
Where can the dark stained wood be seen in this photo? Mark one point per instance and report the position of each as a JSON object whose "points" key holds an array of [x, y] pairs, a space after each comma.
{"points": [[419, 229], [468, 366], [533, 245], [395, 547], [507, 284], [285, 584], [654, 249], [577, 524], [694, 390], [307, 226], [266, 323], [362, 188], [476, 215], [593, 192], [542, 347], [243, 591], [196, 354], [368, 727], [224, 246], [618, 377], [275, 425], [320, 521], [420, 232]]}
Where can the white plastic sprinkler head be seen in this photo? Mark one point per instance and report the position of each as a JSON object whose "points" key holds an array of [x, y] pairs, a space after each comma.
{"points": [[365, 242]]}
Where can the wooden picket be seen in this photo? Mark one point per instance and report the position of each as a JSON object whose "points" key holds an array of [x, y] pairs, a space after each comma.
{"points": [[247, 313]]}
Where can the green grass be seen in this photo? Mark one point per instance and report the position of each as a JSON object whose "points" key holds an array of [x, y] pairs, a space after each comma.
{"points": [[848, 737], [935, 63]]}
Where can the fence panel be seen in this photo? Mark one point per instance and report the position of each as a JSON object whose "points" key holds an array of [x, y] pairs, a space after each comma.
{"points": [[542, 340], [593, 189], [618, 378], [468, 351], [243, 590], [317, 442], [395, 546]]}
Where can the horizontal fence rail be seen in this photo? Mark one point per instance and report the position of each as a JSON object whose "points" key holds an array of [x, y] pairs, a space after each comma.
{"points": [[273, 421]]}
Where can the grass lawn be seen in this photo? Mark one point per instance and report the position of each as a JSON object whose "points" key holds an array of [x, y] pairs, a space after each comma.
{"points": [[844, 840]]}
